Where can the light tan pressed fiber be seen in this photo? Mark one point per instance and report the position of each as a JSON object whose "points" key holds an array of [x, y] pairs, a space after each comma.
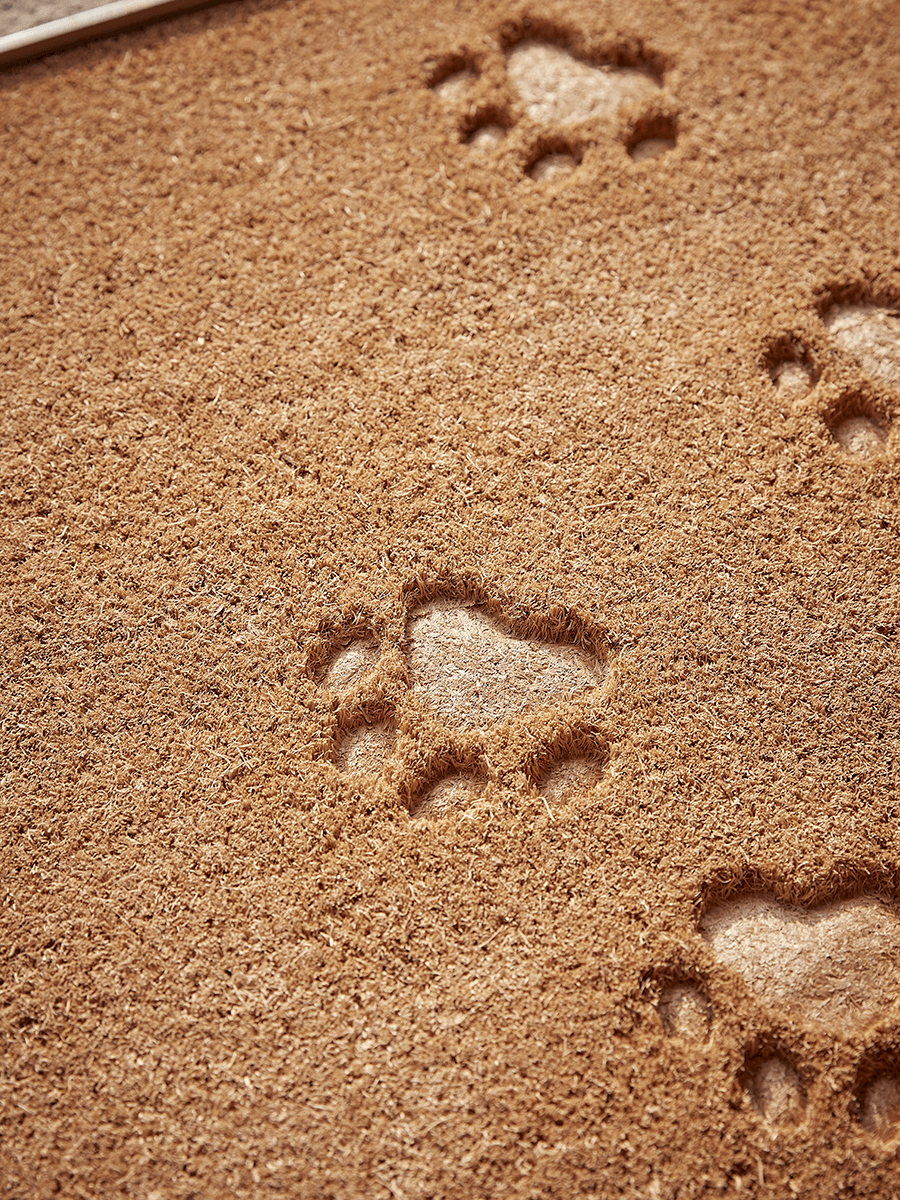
{"points": [[565, 778], [685, 1011], [556, 88], [367, 747], [436, 590], [872, 335], [837, 965], [776, 1092], [469, 671]]}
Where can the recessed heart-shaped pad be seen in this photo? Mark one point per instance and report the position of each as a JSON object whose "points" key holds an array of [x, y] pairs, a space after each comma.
{"points": [[469, 670], [556, 88], [835, 965]]}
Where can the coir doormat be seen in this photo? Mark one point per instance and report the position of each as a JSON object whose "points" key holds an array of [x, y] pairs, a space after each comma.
{"points": [[450, 589]]}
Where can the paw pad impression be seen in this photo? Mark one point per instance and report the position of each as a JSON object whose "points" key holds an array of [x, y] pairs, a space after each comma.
{"points": [[776, 1091], [834, 965], [467, 676], [556, 88], [871, 334], [558, 96], [470, 671]]}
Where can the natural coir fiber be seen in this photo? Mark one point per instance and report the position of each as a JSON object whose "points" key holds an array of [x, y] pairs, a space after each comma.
{"points": [[450, 714]]}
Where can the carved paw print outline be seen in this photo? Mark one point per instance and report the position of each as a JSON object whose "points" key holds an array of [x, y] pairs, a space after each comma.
{"points": [[432, 712], [846, 363], [834, 968], [544, 95]]}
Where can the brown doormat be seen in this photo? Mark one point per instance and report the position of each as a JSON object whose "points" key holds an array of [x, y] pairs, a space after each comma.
{"points": [[450, 496]]}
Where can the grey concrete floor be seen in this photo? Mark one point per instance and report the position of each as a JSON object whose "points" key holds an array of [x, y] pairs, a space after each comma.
{"points": [[22, 14]]}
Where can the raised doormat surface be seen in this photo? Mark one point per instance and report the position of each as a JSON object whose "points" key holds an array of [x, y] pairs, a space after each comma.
{"points": [[451, 604]]}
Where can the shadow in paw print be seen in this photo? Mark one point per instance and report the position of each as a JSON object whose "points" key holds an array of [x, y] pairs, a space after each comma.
{"points": [[652, 136], [775, 1088], [566, 779], [571, 768], [870, 333], [348, 664], [449, 796], [452, 78], [555, 88], [365, 749], [791, 368], [470, 670], [681, 1003], [835, 965], [856, 428], [553, 166], [877, 1098], [651, 148], [859, 435], [486, 137], [486, 130], [685, 1011]]}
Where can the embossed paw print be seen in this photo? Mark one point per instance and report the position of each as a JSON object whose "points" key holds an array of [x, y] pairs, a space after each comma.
{"points": [[545, 95], [834, 967], [858, 393], [830, 969], [435, 711], [869, 334], [470, 671]]}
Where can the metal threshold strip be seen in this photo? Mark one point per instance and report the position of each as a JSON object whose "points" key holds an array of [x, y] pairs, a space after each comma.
{"points": [[86, 26]]}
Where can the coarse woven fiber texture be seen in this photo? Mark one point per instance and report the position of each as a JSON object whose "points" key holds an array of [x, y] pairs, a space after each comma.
{"points": [[286, 359]]}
